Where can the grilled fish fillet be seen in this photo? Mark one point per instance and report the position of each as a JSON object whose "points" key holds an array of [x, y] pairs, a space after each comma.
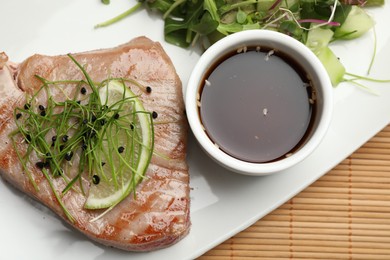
{"points": [[158, 215]]}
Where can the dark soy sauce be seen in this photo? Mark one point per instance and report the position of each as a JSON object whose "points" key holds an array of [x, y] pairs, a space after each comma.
{"points": [[257, 105]]}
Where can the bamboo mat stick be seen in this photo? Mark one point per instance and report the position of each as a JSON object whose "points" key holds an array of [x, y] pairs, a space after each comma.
{"points": [[342, 172], [381, 137], [285, 254], [341, 201], [315, 213], [312, 239], [370, 248], [338, 208], [372, 144], [356, 179], [305, 239], [385, 132], [328, 219], [355, 185], [312, 230], [374, 149], [338, 195], [373, 168], [344, 190], [367, 163], [325, 232], [299, 225], [343, 215]]}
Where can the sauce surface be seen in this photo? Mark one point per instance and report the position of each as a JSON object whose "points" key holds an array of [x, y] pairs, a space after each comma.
{"points": [[255, 105]]}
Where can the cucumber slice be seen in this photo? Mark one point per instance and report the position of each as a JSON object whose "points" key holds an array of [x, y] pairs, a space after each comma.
{"points": [[332, 64], [318, 39], [357, 23]]}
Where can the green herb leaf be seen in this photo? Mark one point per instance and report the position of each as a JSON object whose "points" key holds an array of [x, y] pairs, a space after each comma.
{"points": [[321, 10], [211, 7], [160, 5], [178, 31], [241, 16], [291, 28], [206, 25]]}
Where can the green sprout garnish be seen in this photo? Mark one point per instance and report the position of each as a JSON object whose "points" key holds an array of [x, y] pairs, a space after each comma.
{"points": [[79, 136]]}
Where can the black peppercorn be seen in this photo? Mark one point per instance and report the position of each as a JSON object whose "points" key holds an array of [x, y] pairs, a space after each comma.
{"points": [[116, 116], [65, 138], [83, 90], [95, 179], [154, 114], [18, 115], [121, 149], [46, 164], [68, 156], [92, 133], [40, 165], [148, 89], [41, 107], [43, 113]]}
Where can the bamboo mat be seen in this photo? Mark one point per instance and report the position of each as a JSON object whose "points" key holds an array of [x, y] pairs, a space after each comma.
{"points": [[343, 215]]}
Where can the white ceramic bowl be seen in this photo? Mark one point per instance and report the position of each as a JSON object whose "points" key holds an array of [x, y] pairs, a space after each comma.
{"points": [[295, 50]]}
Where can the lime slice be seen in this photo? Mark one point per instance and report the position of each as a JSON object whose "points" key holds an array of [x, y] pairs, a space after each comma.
{"points": [[126, 147]]}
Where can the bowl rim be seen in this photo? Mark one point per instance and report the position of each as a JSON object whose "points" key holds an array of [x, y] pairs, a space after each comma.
{"points": [[237, 40]]}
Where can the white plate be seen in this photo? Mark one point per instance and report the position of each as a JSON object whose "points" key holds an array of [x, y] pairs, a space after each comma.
{"points": [[223, 203]]}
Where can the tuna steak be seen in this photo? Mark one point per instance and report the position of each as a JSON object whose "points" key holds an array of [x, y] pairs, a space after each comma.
{"points": [[158, 215]]}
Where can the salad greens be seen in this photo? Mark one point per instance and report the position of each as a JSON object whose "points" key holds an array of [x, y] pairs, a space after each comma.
{"points": [[315, 23]]}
